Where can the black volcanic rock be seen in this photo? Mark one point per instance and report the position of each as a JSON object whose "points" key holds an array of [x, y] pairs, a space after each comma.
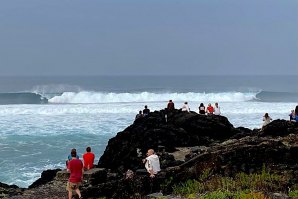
{"points": [[46, 176], [280, 128], [181, 129], [9, 190]]}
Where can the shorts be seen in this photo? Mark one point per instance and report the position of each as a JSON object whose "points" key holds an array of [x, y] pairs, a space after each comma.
{"points": [[71, 186]]}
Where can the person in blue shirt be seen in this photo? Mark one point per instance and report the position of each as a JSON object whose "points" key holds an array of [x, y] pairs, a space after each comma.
{"points": [[69, 156]]}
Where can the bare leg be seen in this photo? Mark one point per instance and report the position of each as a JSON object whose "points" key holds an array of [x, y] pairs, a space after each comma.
{"points": [[69, 194], [78, 192]]}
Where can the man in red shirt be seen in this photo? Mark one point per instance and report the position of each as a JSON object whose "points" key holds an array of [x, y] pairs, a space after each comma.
{"points": [[171, 105], [88, 158], [75, 167]]}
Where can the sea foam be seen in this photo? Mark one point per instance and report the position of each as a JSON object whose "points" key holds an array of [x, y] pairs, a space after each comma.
{"points": [[100, 97]]}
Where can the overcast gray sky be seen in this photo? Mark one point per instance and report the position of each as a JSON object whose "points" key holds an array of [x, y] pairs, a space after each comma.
{"points": [[188, 37]]}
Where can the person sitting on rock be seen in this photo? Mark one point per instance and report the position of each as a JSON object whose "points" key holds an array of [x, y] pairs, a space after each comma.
{"points": [[185, 107], [75, 167], [202, 109], [210, 109], [139, 115], [88, 158], [146, 111], [69, 156], [171, 105], [152, 164], [267, 119], [216, 109]]}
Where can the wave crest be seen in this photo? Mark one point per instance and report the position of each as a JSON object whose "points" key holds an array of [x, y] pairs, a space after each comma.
{"points": [[100, 97]]}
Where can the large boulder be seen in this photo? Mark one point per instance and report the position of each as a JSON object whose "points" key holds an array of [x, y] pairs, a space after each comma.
{"points": [[167, 129], [280, 128]]}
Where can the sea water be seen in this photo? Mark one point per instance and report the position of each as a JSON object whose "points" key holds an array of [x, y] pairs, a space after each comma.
{"points": [[43, 118]]}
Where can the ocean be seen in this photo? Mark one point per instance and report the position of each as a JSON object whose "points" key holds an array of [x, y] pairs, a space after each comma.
{"points": [[43, 118]]}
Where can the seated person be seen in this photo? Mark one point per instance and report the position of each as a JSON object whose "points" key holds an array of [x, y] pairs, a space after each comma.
{"points": [[69, 156], [210, 109], [292, 115], [139, 115], [88, 158], [152, 164], [267, 119], [185, 107], [202, 109]]}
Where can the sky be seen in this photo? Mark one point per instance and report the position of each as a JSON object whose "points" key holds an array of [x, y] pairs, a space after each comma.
{"points": [[136, 37]]}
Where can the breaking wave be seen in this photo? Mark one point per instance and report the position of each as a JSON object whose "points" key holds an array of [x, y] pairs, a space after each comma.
{"points": [[99, 97]]}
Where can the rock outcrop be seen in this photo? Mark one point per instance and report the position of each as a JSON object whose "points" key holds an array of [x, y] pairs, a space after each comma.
{"points": [[180, 129]]}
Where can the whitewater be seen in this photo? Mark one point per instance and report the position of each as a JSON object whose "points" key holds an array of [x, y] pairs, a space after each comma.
{"points": [[40, 123]]}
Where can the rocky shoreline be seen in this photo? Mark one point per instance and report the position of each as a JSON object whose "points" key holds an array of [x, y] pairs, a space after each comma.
{"points": [[188, 144]]}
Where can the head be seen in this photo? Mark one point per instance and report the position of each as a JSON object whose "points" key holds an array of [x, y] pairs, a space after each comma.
{"points": [[185, 103], [150, 152], [209, 104], [201, 104], [140, 112], [216, 104], [170, 101], [146, 106], [88, 149], [266, 115], [73, 153]]}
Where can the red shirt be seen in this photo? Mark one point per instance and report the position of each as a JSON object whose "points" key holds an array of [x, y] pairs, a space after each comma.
{"points": [[88, 160], [210, 109], [75, 167]]}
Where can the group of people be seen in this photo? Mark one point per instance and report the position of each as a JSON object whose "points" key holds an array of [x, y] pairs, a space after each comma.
{"points": [[76, 168], [294, 115], [210, 110]]}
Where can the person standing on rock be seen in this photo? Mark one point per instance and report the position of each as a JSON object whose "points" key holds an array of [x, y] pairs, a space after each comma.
{"points": [[75, 167], [171, 105], [146, 111], [152, 164]]}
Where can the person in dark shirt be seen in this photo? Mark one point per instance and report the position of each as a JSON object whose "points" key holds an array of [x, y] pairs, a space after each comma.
{"points": [[146, 111], [139, 115], [171, 105]]}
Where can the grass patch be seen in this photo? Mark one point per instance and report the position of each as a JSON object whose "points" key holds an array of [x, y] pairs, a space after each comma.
{"points": [[241, 186]]}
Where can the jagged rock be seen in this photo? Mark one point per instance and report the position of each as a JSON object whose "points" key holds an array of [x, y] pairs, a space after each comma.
{"points": [[46, 176], [92, 176], [9, 190], [279, 128], [182, 129]]}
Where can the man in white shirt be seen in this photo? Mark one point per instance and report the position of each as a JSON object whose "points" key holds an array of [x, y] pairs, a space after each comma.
{"points": [[185, 107], [152, 163]]}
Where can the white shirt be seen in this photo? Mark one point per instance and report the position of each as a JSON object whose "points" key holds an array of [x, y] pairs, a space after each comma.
{"points": [[216, 110], [185, 107], [152, 163]]}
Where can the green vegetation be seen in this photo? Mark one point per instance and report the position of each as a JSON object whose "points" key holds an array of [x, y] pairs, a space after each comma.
{"points": [[293, 193], [241, 186]]}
